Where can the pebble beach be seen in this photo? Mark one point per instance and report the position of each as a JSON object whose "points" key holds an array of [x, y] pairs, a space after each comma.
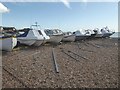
{"points": [[33, 67]]}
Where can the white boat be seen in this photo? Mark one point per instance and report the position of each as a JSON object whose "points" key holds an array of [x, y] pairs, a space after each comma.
{"points": [[90, 32], [81, 36], [69, 37], [7, 43], [55, 35], [42, 35], [106, 32], [98, 33], [29, 36]]}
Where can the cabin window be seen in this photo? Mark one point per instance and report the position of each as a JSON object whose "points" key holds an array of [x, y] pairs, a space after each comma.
{"points": [[39, 32]]}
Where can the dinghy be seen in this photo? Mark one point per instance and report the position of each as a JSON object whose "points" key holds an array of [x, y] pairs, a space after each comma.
{"points": [[55, 35], [81, 36], [106, 32], [68, 37]]}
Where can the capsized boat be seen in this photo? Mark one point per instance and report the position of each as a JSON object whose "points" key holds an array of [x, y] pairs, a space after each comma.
{"points": [[106, 32], [55, 35], [7, 43], [68, 37], [29, 36], [80, 35], [98, 33]]}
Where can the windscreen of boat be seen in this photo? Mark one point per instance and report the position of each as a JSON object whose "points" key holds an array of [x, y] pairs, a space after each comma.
{"points": [[35, 27], [24, 34], [49, 32], [40, 32]]}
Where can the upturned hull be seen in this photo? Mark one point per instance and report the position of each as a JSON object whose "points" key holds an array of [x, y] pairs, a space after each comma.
{"points": [[8, 43], [70, 38]]}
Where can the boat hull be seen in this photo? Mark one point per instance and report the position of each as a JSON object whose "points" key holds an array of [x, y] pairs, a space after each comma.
{"points": [[98, 35], [8, 44], [70, 38], [107, 35], [28, 42], [55, 39], [38, 42], [81, 37]]}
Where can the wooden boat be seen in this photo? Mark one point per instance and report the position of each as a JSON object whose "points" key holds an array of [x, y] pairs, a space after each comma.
{"points": [[68, 37]]}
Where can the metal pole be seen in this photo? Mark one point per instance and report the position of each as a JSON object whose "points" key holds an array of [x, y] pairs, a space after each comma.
{"points": [[55, 62]]}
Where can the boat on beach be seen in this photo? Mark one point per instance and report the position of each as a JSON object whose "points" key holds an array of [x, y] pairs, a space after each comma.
{"points": [[68, 37], [7, 42], [28, 36], [106, 32], [55, 35], [90, 32], [32, 36], [98, 33], [81, 36], [41, 34]]}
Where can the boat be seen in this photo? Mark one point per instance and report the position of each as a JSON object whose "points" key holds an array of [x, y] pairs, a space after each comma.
{"points": [[106, 32], [81, 36], [98, 33], [41, 34], [28, 36], [7, 42], [68, 37], [90, 32], [55, 35], [32, 36]]}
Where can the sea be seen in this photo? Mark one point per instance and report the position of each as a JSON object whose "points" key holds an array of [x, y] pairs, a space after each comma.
{"points": [[115, 35]]}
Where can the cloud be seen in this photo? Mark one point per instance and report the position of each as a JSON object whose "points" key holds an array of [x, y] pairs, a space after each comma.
{"points": [[66, 3], [3, 9]]}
